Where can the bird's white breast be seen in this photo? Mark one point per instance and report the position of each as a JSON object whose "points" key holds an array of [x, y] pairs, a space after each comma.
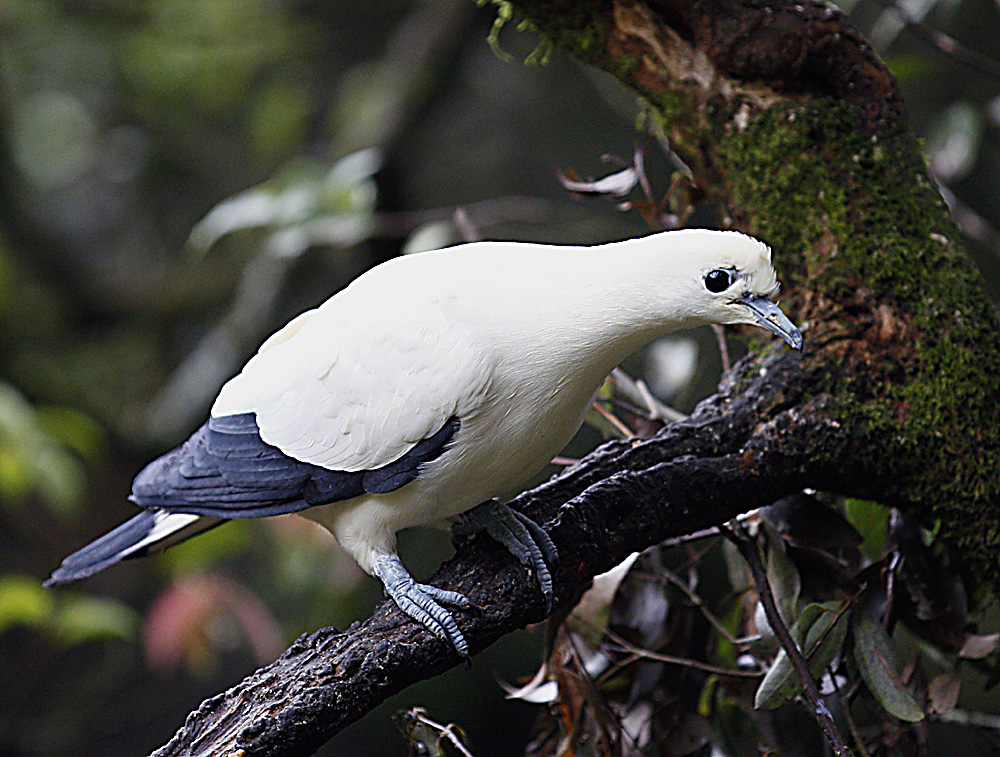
{"points": [[513, 339]]}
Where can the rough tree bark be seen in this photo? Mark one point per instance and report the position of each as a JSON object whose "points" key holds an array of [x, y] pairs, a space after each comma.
{"points": [[795, 128]]}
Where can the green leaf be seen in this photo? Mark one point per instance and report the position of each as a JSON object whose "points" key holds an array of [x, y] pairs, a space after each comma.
{"points": [[32, 458], [304, 203], [60, 479], [819, 632], [23, 601], [872, 521], [876, 663], [81, 618], [707, 695], [77, 431], [783, 576], [15, 474]]}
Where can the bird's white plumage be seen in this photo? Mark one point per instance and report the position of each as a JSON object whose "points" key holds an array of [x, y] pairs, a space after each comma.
{"points": [[164, 524], [356, 383], [511, 340]]}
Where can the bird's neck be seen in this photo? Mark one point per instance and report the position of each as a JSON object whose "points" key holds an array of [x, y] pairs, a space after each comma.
{"points": [[593, 306]]}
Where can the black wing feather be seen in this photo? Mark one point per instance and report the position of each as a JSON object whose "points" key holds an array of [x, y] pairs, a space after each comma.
{"points": [[394, 475], [226, 470]]}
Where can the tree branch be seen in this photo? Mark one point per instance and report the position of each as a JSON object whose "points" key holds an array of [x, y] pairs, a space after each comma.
{"points": [[624, 497], [797, 130], [748, 548]]}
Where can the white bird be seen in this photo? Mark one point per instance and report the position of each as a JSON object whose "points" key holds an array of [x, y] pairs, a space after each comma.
{"points": [[433, 383]]}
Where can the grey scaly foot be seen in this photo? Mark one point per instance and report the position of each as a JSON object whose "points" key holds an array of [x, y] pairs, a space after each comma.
{"points": [[524, 538], [422, 602]]}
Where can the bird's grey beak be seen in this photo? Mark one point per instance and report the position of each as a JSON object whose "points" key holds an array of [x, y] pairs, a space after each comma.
{"points": [[769, 316]]}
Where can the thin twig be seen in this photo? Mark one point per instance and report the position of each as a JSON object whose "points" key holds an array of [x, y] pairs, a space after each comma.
{"points": [[698, 602], [419, 715], [622, 645], [679, 541], [565, 461], [606, 719], [639, 163], [973, 59], [637, 391], [720, 337], [465, 226], [485, 213], [845, 706], [748, 548], [971, 717], [610, 417]]}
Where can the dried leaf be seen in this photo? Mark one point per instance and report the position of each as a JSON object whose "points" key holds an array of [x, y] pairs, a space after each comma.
{"points": [[942, 692], [617, 184], [539, 690], [976, 647], [543, 688], [642, 606], [876, 663], [590, 616]]}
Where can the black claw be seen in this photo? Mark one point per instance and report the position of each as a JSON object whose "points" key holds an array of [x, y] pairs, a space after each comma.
{"points": [[473, 607]]}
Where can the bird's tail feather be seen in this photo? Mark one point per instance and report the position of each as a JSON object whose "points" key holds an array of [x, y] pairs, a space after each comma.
{"points": [[151, 530]]}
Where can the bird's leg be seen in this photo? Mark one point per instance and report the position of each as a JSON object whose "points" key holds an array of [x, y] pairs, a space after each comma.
{"points": [[423, 602], [525, 539]]}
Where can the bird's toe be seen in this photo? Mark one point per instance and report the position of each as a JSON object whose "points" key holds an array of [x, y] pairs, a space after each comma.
{"points": [[522, 537], [450, 598], [423, 602]]}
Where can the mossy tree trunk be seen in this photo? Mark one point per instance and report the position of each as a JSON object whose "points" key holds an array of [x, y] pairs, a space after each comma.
{"points": [[798, 131], [794, 127]]}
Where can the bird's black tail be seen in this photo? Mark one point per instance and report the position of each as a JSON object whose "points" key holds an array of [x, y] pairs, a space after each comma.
{"points": [[151, 530]]}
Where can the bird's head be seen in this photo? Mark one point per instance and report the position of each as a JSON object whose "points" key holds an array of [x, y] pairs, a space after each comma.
{"points": [[731, 281]]}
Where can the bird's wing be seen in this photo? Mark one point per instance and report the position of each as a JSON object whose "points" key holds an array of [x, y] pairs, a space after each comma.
{"points": [[225, 470], [357, 383]]}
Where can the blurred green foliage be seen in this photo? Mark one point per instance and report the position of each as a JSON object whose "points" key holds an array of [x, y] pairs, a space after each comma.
{"points": [[69, 619], [206, 54], [41, 452], [291, 146]]}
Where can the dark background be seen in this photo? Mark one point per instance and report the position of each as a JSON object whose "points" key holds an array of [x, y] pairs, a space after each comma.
{"points": [[124, 122]]}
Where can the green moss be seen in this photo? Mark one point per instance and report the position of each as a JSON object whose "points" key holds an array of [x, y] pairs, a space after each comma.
{"points": [[804, 179], [577, 28], [626, 64]]}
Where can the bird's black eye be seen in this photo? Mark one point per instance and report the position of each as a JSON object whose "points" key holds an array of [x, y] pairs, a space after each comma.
{"points": [[718, 280]]}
